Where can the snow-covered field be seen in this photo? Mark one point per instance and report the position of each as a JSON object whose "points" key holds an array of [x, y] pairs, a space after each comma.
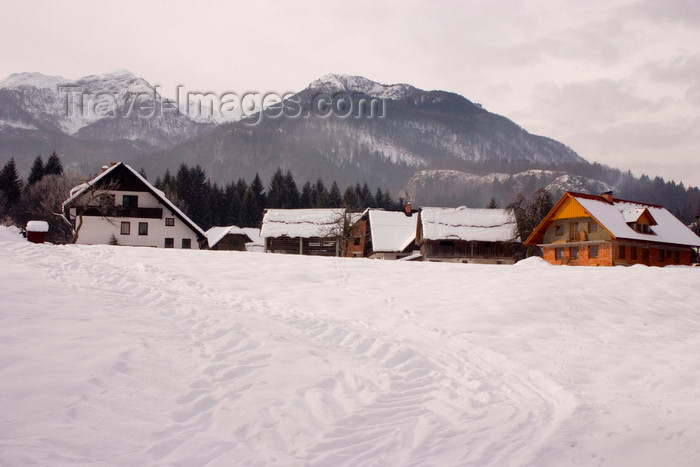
{"points": [[129, 356]]}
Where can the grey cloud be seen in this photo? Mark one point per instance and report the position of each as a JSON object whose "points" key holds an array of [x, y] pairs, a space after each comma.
{"points": [[686, 12]]}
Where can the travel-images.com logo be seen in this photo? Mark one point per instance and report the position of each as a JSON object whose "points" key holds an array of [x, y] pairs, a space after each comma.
{"points": [[250, 107]]}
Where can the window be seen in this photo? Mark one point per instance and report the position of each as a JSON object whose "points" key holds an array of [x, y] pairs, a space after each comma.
{"points": [[143, 228], [661, 254], [169, 221], [559, 253], [633, 252], [573, 231], [186, 243], [558, 229], [126, 228], [130, 201], [593, 251], [641, 228], [169, 243], [622, 251], [645, 255], [573, 252], [356, 241], [676, 257], [592, 227]]}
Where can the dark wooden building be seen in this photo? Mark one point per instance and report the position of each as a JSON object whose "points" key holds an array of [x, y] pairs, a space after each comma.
{"points": [[468, 235]]}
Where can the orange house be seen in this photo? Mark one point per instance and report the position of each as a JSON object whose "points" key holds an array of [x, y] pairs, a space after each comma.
{"points": [[589, 230]]}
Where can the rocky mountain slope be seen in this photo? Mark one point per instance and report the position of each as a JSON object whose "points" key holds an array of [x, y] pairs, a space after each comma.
{"points": [[97, 117]]}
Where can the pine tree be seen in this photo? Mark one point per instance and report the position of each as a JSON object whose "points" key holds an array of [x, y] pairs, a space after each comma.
{"points": [[259, 200], [53, 165], [277, 194], [334, 198], [36, 172], [306, 198], [350, 200], [10, 185], [292, 190], [492, 204]]}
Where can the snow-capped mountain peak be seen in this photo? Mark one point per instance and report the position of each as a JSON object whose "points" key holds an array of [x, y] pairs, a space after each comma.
{"points": [[32, 79], [347, 83]]}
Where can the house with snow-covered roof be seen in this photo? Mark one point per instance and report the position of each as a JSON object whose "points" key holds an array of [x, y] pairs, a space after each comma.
{"points": [[229, 237], [390, 234], [468, 235], [589, 230], [317, 232], [120, 206]]}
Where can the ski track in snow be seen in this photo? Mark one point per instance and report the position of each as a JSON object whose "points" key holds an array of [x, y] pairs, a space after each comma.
{"points": [[225, 368]]}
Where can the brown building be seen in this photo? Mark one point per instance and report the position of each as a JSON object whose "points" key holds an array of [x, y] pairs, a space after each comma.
{"points": [[316, 232], [228, 238], [589, 230], [468, 235]]}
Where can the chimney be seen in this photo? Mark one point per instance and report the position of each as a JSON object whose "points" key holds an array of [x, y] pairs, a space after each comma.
{"points": [[408, 208], [107, 167], [608, 196]]}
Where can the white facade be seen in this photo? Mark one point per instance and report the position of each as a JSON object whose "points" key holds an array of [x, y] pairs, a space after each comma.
{"points": [[154, 222], [99, 230]]}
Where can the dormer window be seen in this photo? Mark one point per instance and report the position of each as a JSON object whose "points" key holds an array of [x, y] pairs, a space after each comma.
{"points": [[641, 227]]}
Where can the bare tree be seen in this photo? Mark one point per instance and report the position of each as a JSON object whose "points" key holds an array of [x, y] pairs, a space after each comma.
{"points": [[92, 200]]}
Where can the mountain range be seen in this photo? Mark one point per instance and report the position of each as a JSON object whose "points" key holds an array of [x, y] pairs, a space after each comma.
{"points": [[434, 147]]}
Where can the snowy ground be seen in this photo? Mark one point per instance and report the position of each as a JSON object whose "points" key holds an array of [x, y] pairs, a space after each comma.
{"points": [[129, 356]]}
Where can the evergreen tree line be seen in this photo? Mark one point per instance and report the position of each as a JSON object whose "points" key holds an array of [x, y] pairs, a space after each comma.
{"points": [[12, 187], [242, 204]]}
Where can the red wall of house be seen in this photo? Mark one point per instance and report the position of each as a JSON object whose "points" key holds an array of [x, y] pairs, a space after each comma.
{"points": [[609, 255]]}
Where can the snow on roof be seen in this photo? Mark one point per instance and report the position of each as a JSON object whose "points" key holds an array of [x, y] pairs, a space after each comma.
{"points": [[216, 234], [469, 224], [305, 223], [37, 226], [253, 234], [613, 217], [632, 215], [392, 231], [80, 189]]}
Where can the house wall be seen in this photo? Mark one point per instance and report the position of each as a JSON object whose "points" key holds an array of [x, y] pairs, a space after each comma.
{"points": [[355, 247], [468, 252], [584, 224], [232, 242], [609, 254], [313, 246], [99, 230]]}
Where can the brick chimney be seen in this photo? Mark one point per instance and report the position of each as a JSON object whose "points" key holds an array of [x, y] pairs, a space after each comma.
{"points": [[408, 208], [607, 196]]}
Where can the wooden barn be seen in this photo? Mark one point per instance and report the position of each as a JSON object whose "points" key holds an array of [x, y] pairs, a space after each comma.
{"points": [[228, 238], [317, 232], [468, 235], [589, 230]]}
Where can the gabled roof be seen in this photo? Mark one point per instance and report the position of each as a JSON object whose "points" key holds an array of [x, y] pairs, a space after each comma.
{"points": [[614, 218], [216, 234], [391, 231], [469, 224], [78, 191], [305, 223]]}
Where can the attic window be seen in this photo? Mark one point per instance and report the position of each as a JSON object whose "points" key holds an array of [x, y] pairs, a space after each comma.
{"points": [[592, 227], [558, 230]]}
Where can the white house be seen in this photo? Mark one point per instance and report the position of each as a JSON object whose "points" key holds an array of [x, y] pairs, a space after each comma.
{"points": [[120, 205]]}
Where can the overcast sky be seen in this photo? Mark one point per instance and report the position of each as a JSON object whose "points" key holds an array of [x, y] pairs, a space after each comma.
{"points": [[617, 81]]}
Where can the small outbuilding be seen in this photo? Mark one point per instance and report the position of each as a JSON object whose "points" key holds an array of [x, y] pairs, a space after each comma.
{"points": [[36, 230], [227, 238]]}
